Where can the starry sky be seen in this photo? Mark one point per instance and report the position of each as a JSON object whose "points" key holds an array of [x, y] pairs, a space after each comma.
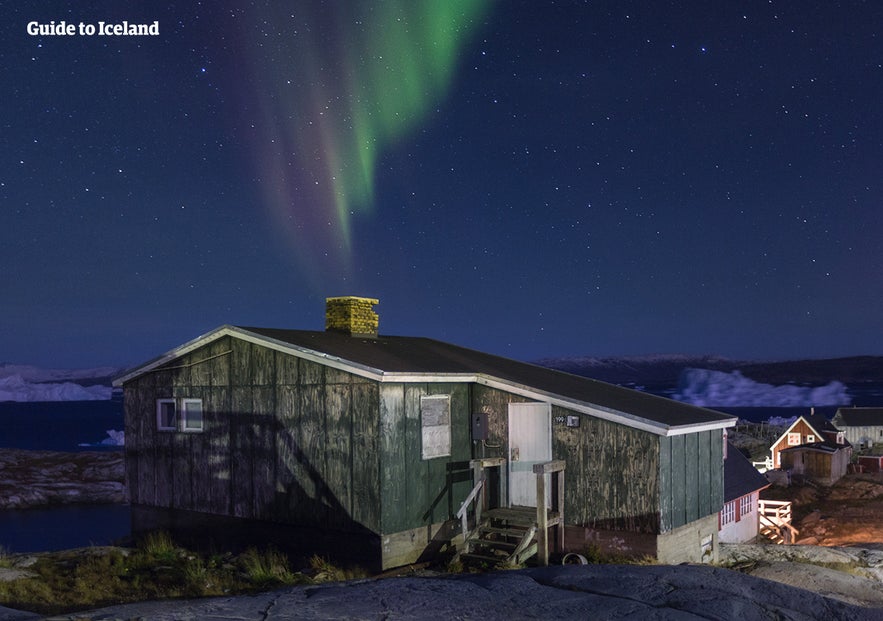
{"points": [[532, 179]]}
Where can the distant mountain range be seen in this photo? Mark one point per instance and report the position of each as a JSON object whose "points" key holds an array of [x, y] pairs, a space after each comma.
{"points": [[666, 370]]}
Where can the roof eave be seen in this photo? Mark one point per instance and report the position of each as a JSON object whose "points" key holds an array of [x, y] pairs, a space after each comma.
{"points": [[598, 411]]}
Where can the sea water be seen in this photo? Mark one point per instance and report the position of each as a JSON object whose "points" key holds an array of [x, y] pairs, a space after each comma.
{"points": [[69, 426], [58, 425]]}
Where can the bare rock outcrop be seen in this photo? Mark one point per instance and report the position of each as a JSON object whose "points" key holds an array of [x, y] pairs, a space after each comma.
{"points": [[45, 478]]}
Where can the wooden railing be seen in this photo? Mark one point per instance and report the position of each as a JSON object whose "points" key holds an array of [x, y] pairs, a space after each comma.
{"points": [[544, 520], [478, 495], [776, 515], [763, 466]]}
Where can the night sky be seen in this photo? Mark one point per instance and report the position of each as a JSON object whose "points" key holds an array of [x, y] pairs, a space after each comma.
{"points": [[527, 178]]}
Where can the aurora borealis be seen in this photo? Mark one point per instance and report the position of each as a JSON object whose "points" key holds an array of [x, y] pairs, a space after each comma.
{"points": [[532, 179], [335, 89]]}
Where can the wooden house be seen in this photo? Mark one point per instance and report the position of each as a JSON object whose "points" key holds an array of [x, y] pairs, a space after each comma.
{"points": [[386, 438], [807, 429], [871, 463], [862, 427], [823, 462], [739, 517]]}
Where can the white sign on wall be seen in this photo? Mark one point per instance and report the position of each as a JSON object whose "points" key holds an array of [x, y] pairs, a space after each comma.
{"points": [[435, 421]]}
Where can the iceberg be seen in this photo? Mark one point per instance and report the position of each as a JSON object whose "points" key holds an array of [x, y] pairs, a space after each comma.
{"points": [[17, 388], [718, 388]]}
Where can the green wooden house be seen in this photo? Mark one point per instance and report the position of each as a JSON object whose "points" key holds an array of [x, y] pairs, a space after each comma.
{"points": [[383, 438]]}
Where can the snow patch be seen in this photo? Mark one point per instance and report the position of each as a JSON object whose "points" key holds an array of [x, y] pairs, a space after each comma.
{"points": [[717, 388]]}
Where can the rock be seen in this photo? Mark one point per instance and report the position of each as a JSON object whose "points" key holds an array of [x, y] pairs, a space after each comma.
{"points": [[562, 592], [42, 478]]}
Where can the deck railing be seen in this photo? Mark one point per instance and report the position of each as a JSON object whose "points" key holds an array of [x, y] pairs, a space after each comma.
{"points": [[776, 515]]}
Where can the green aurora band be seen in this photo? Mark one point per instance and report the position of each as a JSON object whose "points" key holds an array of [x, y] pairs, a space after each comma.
{"points": [[348, 81]]}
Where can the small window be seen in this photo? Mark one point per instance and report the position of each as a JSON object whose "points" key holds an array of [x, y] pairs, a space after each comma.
{"points": [[191, 414], [841, 439], [793, 439], [810, 439], [179, 414], [745, 505], [728, 513], [166, 415]]}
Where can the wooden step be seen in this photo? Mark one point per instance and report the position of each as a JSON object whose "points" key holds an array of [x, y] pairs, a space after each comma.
{"points": [[523, 516], [475, 557], [516, 533], [496, 544]]}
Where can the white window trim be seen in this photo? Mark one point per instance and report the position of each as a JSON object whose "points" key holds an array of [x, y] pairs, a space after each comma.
{"points": [[185, 419], [159, 418], [810, 439], [728, 513], [181, 419], [746, 505], [793, 439]]}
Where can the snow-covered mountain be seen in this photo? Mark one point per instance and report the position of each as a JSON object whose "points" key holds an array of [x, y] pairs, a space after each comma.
{"points": [[28, 383]]}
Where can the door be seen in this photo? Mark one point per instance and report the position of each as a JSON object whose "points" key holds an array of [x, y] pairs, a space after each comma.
{"points": [[530, 442]]}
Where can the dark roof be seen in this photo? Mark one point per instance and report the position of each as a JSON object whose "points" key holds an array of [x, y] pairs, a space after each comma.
{"points": [[821, 447], [740, 477], [402, 354], [820, 423], [860, 417]]}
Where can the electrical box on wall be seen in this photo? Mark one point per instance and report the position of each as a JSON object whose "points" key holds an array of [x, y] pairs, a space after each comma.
{"points": [[573, 421], [479, 426]]}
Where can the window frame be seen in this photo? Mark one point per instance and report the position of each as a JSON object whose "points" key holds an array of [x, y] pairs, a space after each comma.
{"points": [[746, 505], [728, 513], [791, 439], [182, 422], [185, 426], [160, 411]]}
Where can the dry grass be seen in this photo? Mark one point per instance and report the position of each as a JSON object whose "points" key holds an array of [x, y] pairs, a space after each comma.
{"points": [[157, 569]]}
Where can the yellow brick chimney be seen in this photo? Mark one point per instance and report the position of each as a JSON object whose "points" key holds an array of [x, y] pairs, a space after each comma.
{"points": [[351, 315]]}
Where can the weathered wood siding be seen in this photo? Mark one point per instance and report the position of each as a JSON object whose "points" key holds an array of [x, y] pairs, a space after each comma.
{"points": [[691, 477], [611, 478], [800, 427], [418, 492], [284, 439]]}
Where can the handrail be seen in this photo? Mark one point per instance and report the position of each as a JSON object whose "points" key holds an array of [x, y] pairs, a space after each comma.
{"points": [[774, 503], [461, 512], [554, 468], [777, 514]]}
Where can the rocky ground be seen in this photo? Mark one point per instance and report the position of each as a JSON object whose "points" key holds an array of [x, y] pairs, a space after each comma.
{"points": [[809, 581], [562, 592], [848, 513], [43, 478]]}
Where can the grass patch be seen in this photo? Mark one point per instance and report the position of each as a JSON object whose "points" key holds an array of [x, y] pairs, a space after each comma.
{"points": [[66, 582], [325, 571], [267, 569]]}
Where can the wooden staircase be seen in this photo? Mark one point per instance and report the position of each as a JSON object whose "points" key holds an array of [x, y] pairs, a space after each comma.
{"points": [[775, 521], [506, 537], [509, 536]]}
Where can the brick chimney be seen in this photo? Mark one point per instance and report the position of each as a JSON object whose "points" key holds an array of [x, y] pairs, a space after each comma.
{"points": [[351, 315]]}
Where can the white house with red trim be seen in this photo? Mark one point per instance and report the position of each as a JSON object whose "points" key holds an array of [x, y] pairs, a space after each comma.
{"points": [[739, 518]]}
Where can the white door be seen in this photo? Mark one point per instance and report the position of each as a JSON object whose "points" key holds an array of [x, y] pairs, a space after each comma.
{"points": [[530, 442]]}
